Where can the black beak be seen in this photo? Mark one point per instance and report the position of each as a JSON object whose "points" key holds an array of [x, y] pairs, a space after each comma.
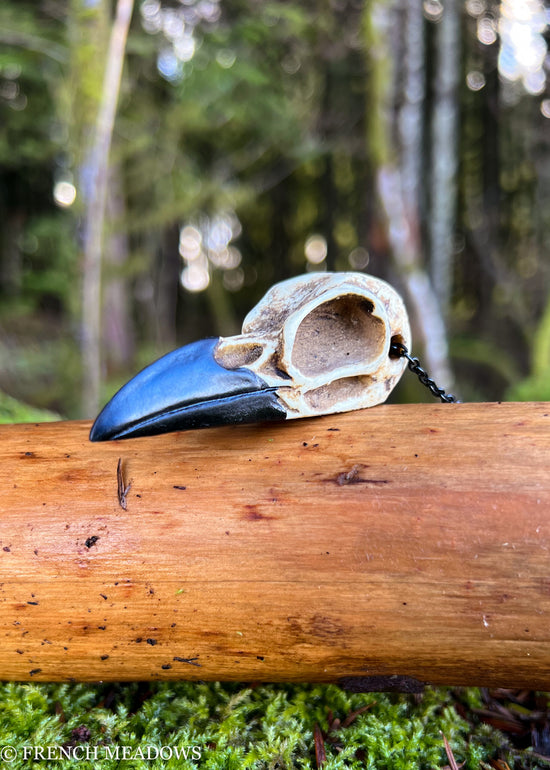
{"points": [[186, 389]]}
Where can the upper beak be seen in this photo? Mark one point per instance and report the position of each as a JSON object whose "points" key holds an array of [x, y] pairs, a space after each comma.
{"points": [[186, 389]]}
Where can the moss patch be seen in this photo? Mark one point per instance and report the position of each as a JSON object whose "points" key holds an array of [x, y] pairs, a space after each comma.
{"points": [[233, 726]]}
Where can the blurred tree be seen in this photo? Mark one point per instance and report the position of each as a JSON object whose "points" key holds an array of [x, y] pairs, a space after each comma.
{"points": [[37, 265], [444, 158], [97, 173], [397, 131], [31, 59]]}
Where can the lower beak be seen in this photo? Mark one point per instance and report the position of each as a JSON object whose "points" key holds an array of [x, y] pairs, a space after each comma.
{"points": [[186, 389]]}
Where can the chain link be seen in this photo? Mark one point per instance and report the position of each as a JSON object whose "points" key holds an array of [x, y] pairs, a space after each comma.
{"points": [[398, 350]]}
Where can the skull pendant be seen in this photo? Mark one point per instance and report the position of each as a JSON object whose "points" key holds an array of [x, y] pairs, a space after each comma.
{"points": [[315, 344]]}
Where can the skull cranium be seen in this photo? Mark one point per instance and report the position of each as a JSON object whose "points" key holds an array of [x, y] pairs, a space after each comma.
{"points": [[323, 341]]}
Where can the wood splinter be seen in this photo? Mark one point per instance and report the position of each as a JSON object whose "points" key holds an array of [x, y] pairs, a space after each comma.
{"points": [[122, 489]]}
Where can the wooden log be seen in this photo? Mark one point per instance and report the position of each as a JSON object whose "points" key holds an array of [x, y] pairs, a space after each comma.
{"points": [[396, 544]]}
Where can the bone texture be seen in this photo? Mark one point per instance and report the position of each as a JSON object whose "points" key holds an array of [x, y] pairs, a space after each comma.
{"points": [[323, 341]]}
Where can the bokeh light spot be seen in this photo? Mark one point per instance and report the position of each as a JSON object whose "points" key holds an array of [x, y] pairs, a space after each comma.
{"points": [[475, 80], [64, 193], [359, 258], [195, 277], [486, 30], [226, 58], [315, 249], [433, 10]]}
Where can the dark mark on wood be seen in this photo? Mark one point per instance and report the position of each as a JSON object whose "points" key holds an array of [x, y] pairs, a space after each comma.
{"points": [[348, 478], [176, 486], [324, 626], [338, 429], [253, 514], [91, 541], [122, 488], [34, 671], [7, 549], [104, 657], [191, 661], [372, 481], [166, 666], [104, 596], [152, 642], [352, 477], [32, 602]]}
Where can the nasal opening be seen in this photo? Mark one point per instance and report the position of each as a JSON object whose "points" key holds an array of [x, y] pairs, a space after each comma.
{"points": [[232, 354]]}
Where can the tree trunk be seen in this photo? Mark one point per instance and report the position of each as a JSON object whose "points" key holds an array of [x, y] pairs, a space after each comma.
{"points": [[411, 113], [398, 541], [397, 179], [118, 331], [98, 172], [422, 301], [444, 157]]}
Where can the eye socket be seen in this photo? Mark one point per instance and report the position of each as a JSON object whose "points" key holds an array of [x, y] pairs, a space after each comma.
{"points": [[339, 333]]}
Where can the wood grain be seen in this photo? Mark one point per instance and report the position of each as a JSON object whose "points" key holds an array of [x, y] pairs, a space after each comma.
{"points": [[398, 541]]}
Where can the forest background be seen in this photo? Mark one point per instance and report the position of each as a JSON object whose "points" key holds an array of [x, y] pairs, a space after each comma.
{"points": [[254, 141], [164, 162]]}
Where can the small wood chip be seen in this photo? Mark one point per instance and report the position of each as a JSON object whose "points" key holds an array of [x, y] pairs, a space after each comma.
{"points": [[354, 714], [320, 754], [122, 489], [453, 764]]}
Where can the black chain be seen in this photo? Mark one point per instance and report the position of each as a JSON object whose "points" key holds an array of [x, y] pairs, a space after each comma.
{"points": [[398, 350]]}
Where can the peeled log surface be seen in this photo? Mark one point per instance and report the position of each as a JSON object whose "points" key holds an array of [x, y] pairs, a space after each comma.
{"points": [[409, 541]]}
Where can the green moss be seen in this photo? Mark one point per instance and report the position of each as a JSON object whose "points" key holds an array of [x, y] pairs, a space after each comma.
{"points": [[235, 727], [12, 411]]}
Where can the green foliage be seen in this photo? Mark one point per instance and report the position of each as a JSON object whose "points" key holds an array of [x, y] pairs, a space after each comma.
{"points": [[31, 357], [50, 268], [536, 387], [30, 66], [12, 411], [236, 727]]}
